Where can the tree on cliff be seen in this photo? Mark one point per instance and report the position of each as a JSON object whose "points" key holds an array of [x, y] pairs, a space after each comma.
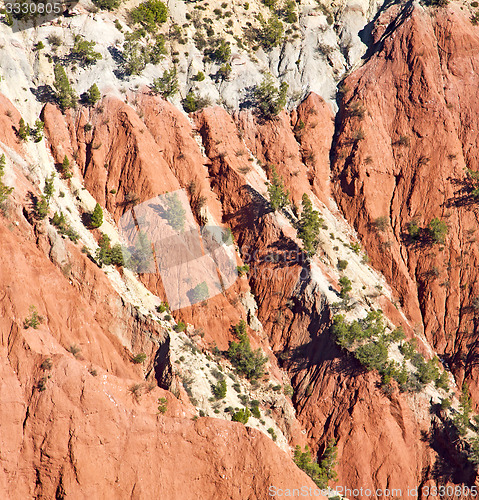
{"points": [[308, 226], [96, 218], [166, 85], [319, 473], [93, 95], [270, 100], [5, 191], [66, 96], [248, 362], [278, 196]]}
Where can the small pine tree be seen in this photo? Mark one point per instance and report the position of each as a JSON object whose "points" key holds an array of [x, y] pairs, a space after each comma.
{"points": [[23, 130], [308, 226], [278, 196], [66, 96], [269, 99], [166, 85], [96, 218], [65, 168], [438, 230], [5, 191], [175, 213], [93, 95]]}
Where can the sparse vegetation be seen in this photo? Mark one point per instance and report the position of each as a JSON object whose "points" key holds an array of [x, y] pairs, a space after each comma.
{"points": [[162, 405], [66, 96], [278, 195], [219, 389], [166, 85], [59, 221], [193, 102], [5, 191], [270, 100], [82, 51], [437, 230], [308, 226], [34, 320], [321, 473], [96, 217], [150, 14], [247, 361], [241, 416], [139, 358]]}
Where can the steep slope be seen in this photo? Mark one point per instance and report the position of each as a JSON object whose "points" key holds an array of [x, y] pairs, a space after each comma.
{"points": [[408, 128]]}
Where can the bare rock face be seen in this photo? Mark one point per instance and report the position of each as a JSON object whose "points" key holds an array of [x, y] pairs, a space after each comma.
{"points": [[400, 158]]}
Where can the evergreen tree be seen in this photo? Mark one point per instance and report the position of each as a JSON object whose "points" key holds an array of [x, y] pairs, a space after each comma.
{"points": [[175, 213], [278, 196], [5, 191], [166, 85], [93, 95], [96, 218], [65, 168], [23, 130], [66, 96], [308, 226], [269, 99]]}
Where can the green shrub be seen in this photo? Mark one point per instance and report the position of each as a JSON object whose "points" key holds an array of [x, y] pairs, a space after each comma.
{"points": [[166, 85], [319, 473], [272, 434], [373, 355], [346, 287], [175, 213], [271, 32], [414, 230], [37, 132], [162, 405], [381, 223], [219, 51], [107, 5], [96, 217], [139, 358], [82, 51], [461, 419], [163, 307], [5, 191], [65, 168], [219, 389], [34, 320], [247, 362], [278, 195], [199, 292], [269, 99], [93, 95], [199, 77], [308, 226], [242, 270], [150, 14], [254, 408], [107, 255], [437, 230], [193, 102], [241, 416], [59, 221], [23, 130], [342, 264], [66, 96], [180, 327]]}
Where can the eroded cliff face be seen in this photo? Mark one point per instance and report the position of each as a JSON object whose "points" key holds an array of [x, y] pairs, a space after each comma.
{"points": [[407, 134], [82, 418]]}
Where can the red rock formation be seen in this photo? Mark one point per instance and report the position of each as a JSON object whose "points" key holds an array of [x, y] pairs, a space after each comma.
{"points": [[409, 127]]}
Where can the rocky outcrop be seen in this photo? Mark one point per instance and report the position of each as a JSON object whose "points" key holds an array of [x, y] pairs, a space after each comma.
{"points": [[400, 157]]}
